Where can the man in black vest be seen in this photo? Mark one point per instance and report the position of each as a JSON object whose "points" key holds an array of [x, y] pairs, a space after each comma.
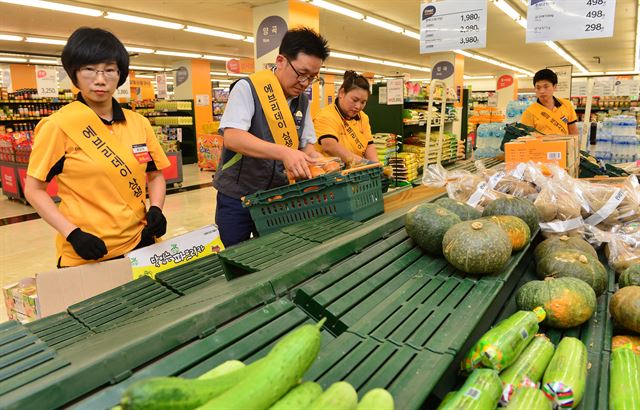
{"points": [[252, 160]]}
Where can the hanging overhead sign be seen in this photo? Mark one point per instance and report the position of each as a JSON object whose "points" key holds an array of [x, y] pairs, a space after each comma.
{"points": [[550, 20], [447, 25]]}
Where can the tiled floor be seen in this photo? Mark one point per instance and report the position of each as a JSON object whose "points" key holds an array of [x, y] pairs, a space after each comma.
{"points": [[28, 247]]}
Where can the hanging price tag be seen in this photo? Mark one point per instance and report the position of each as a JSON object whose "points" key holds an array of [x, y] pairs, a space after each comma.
{"points": [[452, 24], [47, 81]]}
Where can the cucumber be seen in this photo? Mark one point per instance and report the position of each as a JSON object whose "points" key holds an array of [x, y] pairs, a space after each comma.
{"points": [[500, 346], [447, 398], [565, 379], [529, 398], [224, 368], [376, 399], [528, 368], [280, 370], [300, 397], [339, 396], [480, 391], [624, 379]]}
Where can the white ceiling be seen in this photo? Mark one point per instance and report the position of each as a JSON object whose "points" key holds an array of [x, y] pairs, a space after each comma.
{"points": [[505, 38]]}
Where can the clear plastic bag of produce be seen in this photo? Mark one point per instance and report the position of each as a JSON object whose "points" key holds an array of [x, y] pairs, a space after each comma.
{"points": [[559, 206], [621, 244], [608, 205], [515, 180]]}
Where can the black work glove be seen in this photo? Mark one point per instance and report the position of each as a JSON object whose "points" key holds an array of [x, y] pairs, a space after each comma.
{"points": [[87, 246], [156, 222]]}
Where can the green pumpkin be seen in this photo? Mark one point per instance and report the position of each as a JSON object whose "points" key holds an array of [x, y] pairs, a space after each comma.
{"points": [[557, 243], [625, 307], [426, 224], [519, 207], [576, 264], [477, 247], [568, 301], [464, 211], [630, 276], [517, 230]]}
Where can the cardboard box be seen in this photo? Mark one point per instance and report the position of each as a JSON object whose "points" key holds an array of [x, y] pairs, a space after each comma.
{"points": [[53, 291], [176, 251], [562, 150]]}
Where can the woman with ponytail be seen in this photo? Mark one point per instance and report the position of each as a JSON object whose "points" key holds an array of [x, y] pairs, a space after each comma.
{"points": [[342, 128]]}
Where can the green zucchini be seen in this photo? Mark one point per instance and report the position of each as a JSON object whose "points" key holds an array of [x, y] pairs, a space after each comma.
{"points": [[480, 391], [339, 396], [376, 399], [529, 398], [528, 368], [224, 368], [565, 379], [447, 398], [300, 397], [624, 379], [280, 370], [500, 346]]}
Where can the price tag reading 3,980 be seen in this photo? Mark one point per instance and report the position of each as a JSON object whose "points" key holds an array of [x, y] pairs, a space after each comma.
{"points": [[452, 24], [549, 20]]}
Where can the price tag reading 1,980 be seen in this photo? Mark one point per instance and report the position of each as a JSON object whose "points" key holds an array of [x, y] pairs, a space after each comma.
{"points": [[452, 24], [549, 20]]}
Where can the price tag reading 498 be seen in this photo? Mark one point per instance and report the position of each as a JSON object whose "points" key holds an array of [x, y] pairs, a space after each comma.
{"points": [[558, 19]]}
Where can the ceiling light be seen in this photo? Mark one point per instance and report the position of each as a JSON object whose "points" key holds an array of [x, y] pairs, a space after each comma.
{"points": [[145, 68], [145, 76], [383, 24], [45, 41], [592, 73], [214, 33], [7, 37], [249, 39], [216, 58], [217, 73], [522, 22], [392, 64], [337, 9], [523, 76], [411, 34], [478, 77], [56, 7], [178, 54], [415, 67], [43, 61], [464, 53], [343, 55], [13, 59], [622, 72], [140, 50], [143, 20], [331, 70], [565, 55], [215, 80], [507, 9], [370, 60]]}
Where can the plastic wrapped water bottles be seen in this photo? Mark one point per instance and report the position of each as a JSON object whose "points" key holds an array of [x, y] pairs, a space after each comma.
{"points": [[489, 137], [616, 140], [515, 110]]}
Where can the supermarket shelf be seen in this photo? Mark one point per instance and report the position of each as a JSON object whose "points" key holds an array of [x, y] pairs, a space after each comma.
{"points": [[427, 101], [44, 101], [21, 119]]}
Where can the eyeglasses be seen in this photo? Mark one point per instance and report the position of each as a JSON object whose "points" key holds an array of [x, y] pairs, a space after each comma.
{"points": [[89, 73], [310, 79]]}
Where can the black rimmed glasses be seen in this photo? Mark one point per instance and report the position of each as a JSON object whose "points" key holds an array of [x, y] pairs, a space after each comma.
{"points": [[90, 73], [309, 79]]}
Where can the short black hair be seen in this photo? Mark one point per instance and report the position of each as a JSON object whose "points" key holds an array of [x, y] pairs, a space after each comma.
{"points": [[94, 46], [352, 80], [303, 40], [545, 74]]}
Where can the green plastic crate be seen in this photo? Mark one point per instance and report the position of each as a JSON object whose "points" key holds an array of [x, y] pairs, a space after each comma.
{"points": [[355, 195]]}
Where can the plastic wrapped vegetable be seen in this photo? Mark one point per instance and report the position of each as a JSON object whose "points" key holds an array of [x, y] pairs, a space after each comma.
{"points": [[527, 371], [624, 380], [512, 180], [608, 205], [565, 379], [501, 345], [529, 398], [622, 244], [559, 209], [480, 391]]}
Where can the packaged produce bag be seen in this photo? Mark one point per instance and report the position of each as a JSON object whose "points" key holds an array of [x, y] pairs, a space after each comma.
{"points": [[559, 206], [606, 205], [621, 244]]}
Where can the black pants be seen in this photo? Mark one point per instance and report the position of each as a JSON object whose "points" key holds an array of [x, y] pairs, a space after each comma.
{"points": [[233, 220]]}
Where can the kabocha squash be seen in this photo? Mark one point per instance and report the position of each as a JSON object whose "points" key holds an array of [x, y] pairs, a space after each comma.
{"points": [[527, 369], [622, 340], [480, 391], [568, 301], [625, 307], [519, 207], [426, 224], [557, 243], [630, 276], [565, 379], [529, 398], [464, 211], [624, 380], [575, 264], [477, 247], [517, 230]]}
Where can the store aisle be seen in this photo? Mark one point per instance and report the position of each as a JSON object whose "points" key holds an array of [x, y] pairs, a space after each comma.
{"points": [[28, 247]]}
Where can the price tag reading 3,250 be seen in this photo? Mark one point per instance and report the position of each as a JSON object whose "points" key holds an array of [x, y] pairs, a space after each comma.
{"points": [[452, 24], [549, 20]]}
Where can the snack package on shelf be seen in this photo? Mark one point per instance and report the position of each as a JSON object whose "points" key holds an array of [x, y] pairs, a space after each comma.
{"points": [[405, 167], [385, 144], [621, 245], [608, 205]]}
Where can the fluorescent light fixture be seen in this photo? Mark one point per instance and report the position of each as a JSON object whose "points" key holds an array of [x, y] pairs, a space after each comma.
{"points": [[523, 76], [178, 54], [415, 67], [343, 55], [416, 79], [217, 73], [145, 76], [370, 60], [565, 55], [13, 59], [337, 9], [478, 77], [587, 74], [214, 33], [411, 34], [383, 24], [216, 58], [145, 68], [236, 75], [392, 64], [143, 20], [49, 5], [8, 37], [332, 70], [43, 61], [522, 22], [249, 39], [622, 72], [41, 40], [507, 9], [140, 50], [221, 81]]}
